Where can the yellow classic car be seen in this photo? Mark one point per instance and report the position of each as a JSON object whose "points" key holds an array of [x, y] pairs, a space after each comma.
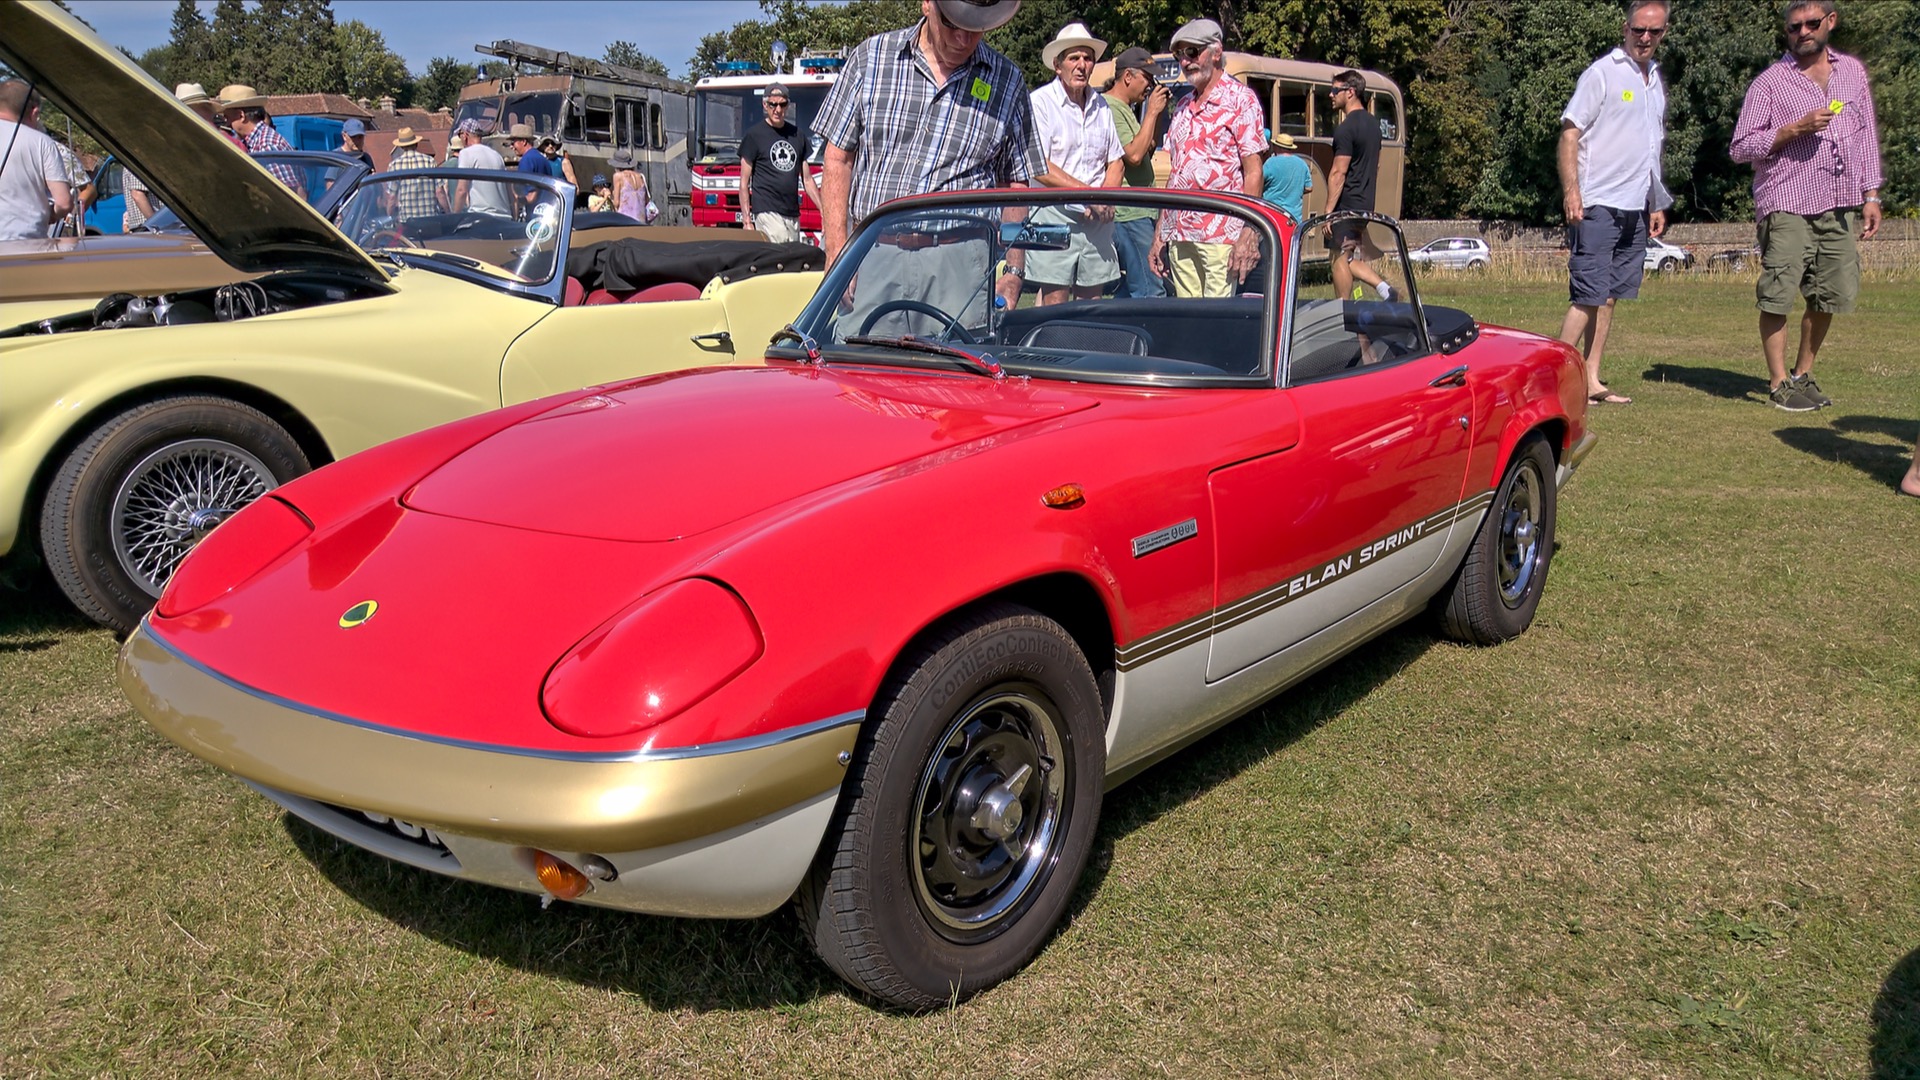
{"points": [[132, 424]]}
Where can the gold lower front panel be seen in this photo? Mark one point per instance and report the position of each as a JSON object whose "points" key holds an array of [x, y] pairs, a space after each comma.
{"points": [[557, 804]]}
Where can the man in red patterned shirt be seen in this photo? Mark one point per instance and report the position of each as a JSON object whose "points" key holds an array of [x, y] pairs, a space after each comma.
{"points": [[1808, 127], [1216, 144]]}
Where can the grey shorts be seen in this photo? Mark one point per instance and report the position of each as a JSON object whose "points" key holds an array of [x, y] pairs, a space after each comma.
{"points": [[1089, 259], [1607, 255]]}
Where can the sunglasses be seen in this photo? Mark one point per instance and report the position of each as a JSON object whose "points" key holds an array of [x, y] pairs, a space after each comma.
{"points": [[1805, 26], [1188, 52], [776, 103], [1655, 32]]}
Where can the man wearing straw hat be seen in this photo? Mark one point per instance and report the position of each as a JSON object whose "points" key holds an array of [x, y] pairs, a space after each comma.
{"points": [[413, 198], [246, 109], [1083, 151], [194, 96]]}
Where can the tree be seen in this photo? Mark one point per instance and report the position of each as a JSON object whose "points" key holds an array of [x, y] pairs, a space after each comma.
{"points": [[189, 46], [627, 54], [370, 70], [230, 53], [439, 87]]}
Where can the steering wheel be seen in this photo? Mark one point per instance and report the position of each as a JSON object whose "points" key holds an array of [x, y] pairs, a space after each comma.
{"points": [[387, 236], [954, 332]]}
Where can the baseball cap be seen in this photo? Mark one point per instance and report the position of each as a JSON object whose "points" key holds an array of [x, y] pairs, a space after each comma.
{"points": [[1136, 58], [353, 127], [777, 88]]}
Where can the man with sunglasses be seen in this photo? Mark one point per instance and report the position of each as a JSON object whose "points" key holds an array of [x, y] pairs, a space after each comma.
{"points": [[770, 154], [1350, 186], [1808, 127], [1611, 136]]}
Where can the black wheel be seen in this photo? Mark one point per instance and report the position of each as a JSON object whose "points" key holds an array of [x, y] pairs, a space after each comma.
{"points": [[1498, 587], [967, 816], [1476, 264], [955, 332], [1668, 265], [142, 489]]}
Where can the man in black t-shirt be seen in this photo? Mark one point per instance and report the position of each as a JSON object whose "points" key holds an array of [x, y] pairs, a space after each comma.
{"points": [[1350, 184], [770, 154]]}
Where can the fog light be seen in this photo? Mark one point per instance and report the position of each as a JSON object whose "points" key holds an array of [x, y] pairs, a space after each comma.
{"points": [[560, 880]]}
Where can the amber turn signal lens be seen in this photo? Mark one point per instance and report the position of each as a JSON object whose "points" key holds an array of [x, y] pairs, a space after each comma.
{"points": [[1065, 497], [563, 881]]}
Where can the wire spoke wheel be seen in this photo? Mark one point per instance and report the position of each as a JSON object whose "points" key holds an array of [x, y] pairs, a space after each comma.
{"points": [[174, 497]]}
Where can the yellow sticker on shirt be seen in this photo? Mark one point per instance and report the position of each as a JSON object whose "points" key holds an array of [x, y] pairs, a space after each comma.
{"points": [[981, 90], [1626, 95], [1836, 105]]}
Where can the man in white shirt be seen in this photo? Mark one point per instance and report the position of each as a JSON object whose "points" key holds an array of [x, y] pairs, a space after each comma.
{"points": [[34, 192], [1083, 151], [482, 198], [1610, 140]]}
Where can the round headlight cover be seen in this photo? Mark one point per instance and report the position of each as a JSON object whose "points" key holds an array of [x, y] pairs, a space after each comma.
{"points": [[653, 661]]}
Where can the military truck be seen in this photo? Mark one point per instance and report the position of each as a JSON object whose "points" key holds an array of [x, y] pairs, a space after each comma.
{"points": [[594, 108]]}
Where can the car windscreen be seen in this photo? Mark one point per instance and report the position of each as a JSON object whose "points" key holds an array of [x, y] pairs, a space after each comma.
{"points": [[928, 276], [723, 114], [495, 223]]}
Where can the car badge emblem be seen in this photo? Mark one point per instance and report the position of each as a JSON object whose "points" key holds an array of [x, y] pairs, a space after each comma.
{"points": [[358, 614]]}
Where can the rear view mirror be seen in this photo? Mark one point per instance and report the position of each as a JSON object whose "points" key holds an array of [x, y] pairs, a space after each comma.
{"points": [[1029, 236]]}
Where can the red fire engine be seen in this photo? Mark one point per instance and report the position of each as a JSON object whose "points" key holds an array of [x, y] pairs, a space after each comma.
{"points": [[725, 104]]}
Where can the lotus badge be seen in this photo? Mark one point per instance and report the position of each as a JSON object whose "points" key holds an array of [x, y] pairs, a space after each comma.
{"points": [[358, 614]]}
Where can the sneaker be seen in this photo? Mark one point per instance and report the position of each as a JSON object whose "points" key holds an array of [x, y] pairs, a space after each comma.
{"points": [[1386, 292], [1811, 390], [1791, 398]]}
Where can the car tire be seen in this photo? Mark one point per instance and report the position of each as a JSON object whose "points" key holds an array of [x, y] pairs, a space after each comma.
{"points": [[1476, 264], [141, 489], [967, 815], [1668, 265], [1498, 586]]}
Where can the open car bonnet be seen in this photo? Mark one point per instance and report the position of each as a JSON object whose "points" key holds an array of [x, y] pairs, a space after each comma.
{"points": [[244, 215]]}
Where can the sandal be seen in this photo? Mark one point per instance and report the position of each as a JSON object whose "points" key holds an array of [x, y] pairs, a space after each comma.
{"points": [[1608, 397]]}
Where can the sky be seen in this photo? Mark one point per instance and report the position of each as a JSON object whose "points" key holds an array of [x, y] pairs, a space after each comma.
{"points": [[420, 30]]}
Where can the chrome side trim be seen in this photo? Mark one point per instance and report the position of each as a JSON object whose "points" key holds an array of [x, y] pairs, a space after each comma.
{"points": [[1575, 455], [675, 753]]}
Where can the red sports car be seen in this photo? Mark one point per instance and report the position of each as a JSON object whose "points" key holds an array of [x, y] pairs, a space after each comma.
{"points": [[874, 625]]}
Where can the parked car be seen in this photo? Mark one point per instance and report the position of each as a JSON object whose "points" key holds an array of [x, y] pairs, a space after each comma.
{"points": [[1453, 253], [155, 384], [873, 625], [1734, 260], [1666, 258]]}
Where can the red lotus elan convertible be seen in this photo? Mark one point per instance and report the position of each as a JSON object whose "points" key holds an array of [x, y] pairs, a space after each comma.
{"points": [[874, 625]]}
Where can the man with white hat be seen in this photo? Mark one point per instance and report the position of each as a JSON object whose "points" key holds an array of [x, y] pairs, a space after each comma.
{"points": [[1215, 142], [927, 108], [194, 96], [1083, 151]]}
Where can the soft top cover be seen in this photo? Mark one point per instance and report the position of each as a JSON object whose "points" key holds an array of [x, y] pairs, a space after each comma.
{"points": [[625, 265]]}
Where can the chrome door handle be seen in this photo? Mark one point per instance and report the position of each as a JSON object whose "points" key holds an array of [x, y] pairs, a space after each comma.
{"points": [[725, 340], [1456, 377]]}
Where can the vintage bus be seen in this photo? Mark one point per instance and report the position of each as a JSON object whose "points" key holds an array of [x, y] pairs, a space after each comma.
{"points": [[1293, 94], [594, 108]]}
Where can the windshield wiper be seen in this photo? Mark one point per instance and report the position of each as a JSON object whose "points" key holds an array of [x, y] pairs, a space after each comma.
{"points": [[986, 365], [791, 332]]}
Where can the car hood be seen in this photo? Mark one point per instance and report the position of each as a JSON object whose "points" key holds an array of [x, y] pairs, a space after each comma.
{"points": [[237, 208], [681, 454], [89, 267]]}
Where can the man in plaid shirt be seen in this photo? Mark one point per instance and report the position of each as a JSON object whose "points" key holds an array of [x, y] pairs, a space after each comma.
{"points": [[246, 109], [927, 108], [412, 198], [1808, 127]]}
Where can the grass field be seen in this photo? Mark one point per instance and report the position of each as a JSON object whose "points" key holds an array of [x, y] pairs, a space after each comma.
{"points": [[1672, 831]]}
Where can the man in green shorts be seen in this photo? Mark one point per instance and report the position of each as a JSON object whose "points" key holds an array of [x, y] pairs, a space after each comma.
{"points": [[1808, 127]]}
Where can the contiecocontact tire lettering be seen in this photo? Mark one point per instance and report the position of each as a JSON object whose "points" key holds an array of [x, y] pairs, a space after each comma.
{"points": [[143, 488], [968, 813]]}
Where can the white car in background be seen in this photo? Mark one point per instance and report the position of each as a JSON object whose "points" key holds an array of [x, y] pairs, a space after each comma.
{"points": [[1666, 258], [1453, 253]]}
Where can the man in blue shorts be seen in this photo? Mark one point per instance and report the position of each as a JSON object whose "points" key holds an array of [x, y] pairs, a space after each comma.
{"points": [[1610, 139]]}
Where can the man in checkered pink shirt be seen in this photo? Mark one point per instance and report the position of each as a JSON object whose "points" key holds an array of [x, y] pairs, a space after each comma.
{"points": [[1808, 128]]}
